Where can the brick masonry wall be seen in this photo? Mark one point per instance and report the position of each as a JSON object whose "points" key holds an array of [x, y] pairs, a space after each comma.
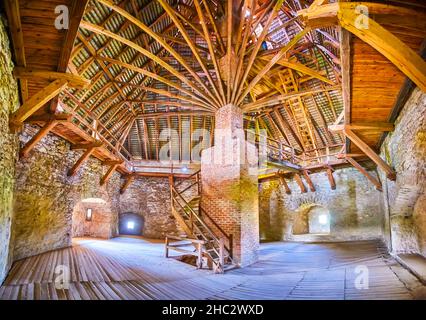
{"points": [[353, 207], [404, 200], [229, 189], [9, 102], [45, 197]]}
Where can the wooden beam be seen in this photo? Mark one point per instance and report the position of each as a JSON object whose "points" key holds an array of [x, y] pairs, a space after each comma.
{"points": [[109, 173], [331, 179], [100, 30], [374, 126], [269, 101], [271, 63], [284, 183], [15, 27], [36, 102], [37, 137], [308, 180], [34, 74], [76, 14], [112, 162], [158, 38], [371, 154], [365, 173], [191, 44], [59, 118], [300, 183], [129, 179], [83, 158], [401, 55], [303, 69], [351, 155], [85, 146]]}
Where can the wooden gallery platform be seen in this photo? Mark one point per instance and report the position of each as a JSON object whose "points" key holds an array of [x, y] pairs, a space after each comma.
{"points": [[129, 268]]}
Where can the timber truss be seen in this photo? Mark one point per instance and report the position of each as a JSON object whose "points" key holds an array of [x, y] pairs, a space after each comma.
{"points": [[130, 70]]}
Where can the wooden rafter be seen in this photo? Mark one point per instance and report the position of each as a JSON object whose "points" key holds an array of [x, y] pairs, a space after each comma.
{"points": [[36, 102]]}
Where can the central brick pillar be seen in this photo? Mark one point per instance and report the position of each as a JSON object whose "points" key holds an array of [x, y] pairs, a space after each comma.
{"points": [[230, 184]]}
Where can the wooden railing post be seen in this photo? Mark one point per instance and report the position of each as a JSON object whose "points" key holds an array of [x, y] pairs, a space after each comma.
{"points": [[231, 245], [200, 256], [167, 247], [221, 254]]}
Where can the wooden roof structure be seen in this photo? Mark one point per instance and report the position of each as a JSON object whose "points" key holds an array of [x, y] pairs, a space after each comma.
{"points": [[125, 71]]}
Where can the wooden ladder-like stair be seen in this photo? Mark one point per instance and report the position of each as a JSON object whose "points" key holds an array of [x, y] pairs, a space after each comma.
{"points": [[200, 229]]}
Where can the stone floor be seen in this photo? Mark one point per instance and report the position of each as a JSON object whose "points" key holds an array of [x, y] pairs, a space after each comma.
{"points": [[131, 268]]}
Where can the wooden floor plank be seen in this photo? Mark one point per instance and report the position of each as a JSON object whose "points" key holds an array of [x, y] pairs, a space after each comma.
{"points": [[135, 269]]}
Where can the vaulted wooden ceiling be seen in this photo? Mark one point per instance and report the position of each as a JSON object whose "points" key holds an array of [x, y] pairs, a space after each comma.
{"points": [[170, 64]]}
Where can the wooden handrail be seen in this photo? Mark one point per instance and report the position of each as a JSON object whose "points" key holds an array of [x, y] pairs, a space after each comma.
{"points": [[189, 177], [194, 213], [225, 235]]}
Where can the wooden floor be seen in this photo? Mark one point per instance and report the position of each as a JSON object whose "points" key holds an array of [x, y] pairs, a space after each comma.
{"points": [[129, 268]]}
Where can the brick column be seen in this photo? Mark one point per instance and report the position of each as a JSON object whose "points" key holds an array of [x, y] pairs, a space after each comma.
{"points": [[230, 185]]}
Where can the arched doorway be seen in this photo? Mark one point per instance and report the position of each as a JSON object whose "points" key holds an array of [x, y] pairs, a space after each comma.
{"points": [[130, 224], [319, 220], [311, 219]]}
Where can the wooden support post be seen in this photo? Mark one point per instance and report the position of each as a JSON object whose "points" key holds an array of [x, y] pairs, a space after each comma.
{"points": [[130, 178], [331, 179], [221, 255], [308, 180], [284, 183], [166, 253], [36, 138], [91, 148], [300, 183], [365, 173], [199, 255], [35, 102], [107, 176], [371, 154]]}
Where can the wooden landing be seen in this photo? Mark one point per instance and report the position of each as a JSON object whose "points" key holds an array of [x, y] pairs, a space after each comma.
{"points": [[131, 268]]}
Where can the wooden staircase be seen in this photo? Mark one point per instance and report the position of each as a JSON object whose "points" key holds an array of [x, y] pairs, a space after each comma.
{"points": [[210, 241]]}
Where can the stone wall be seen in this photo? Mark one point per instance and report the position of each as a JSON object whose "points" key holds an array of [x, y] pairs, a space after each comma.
{"points": [[103, 221], [45, 197], [9, 102], [354, 210], [404, 200], [150, 198]]}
